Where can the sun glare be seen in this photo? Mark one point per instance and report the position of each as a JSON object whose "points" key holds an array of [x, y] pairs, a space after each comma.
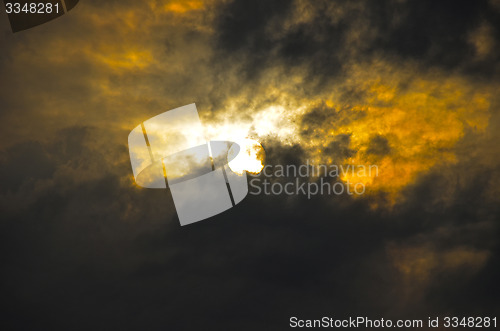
{"points": [[249, 157]]}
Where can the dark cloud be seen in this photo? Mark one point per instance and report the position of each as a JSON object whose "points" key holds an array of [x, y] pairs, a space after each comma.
{"points": [[77, 253], [82, 247], [379, 145], [326, 35], [242, 23], [24, 162], [339, 149]]}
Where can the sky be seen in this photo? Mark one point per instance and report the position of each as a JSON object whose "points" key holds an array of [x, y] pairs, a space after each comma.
{"points": [[409, 86]]}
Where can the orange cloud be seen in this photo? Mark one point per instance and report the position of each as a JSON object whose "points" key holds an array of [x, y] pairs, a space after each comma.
{"points": [[181, 7]]}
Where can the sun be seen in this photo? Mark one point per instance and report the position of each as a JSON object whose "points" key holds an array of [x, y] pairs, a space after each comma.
{"points": [[250, 156]]}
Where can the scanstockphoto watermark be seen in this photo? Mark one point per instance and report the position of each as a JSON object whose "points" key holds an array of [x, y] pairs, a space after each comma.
{"points": [[312, 179]]}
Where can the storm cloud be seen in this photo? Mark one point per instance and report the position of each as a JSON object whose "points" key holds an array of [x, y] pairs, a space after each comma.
{"points": [[410, 86]]}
